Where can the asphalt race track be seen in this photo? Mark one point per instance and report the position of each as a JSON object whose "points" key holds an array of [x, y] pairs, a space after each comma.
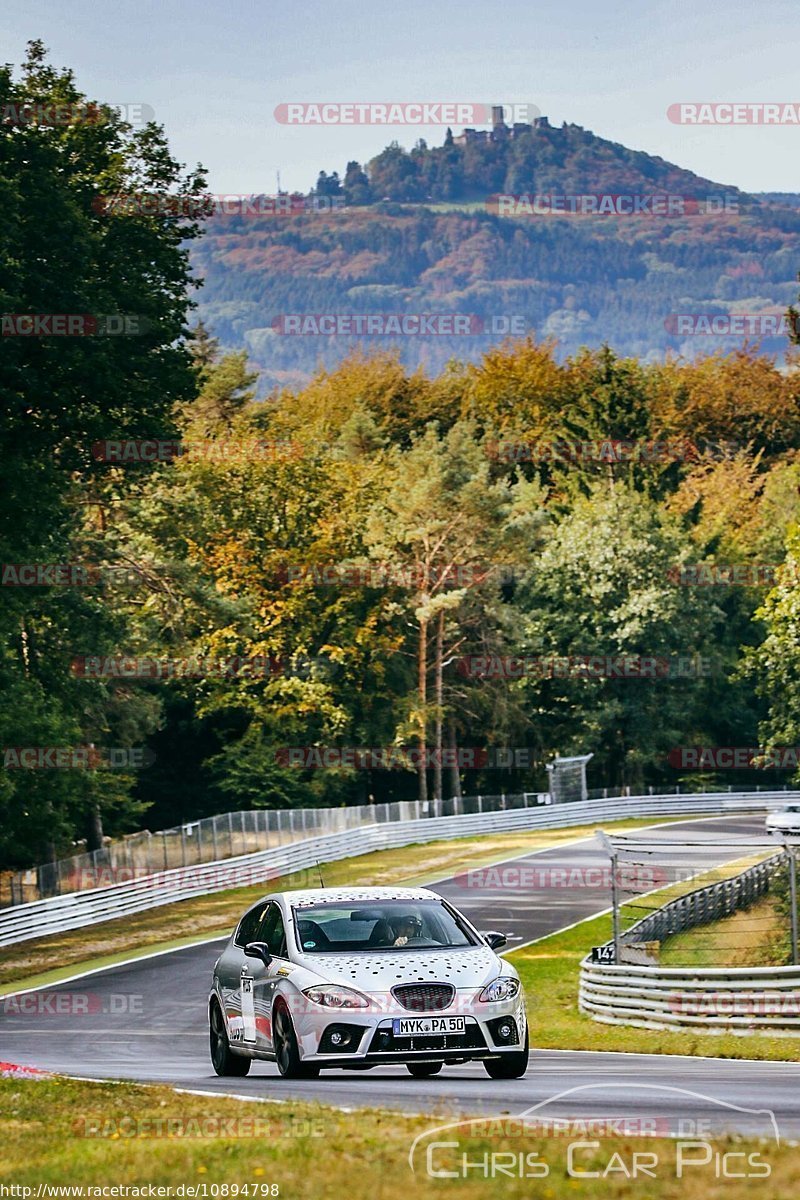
{"points": [[146, 1021]]}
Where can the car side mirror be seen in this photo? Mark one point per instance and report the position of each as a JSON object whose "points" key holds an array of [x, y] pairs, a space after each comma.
{"points": [[493, 939], [259, 950]]}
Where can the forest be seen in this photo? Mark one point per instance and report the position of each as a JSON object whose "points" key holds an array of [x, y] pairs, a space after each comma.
{"points": [[384, 582]]}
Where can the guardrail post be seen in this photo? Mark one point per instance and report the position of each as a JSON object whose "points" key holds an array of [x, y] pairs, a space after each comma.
{"points": [[793, 896], [605, 842]]}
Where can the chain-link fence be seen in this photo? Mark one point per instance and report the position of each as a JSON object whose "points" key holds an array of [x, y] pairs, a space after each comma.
{"points": [[230, 834], [226, 836], [652, 902], [708, 904]]}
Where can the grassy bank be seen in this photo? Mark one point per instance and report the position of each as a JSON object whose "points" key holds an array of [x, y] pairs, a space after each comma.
{"points": [[57, 1132]]}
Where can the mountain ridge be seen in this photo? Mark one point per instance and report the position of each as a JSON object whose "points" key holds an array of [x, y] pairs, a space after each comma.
{"points": [[578, 279]]}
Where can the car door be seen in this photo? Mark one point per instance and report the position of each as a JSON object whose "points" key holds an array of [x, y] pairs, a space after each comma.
{"points": [[258, 982], [236, 976]]}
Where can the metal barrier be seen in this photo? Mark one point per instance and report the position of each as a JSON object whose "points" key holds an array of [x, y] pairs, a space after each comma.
{"points": [[60, 913], [710, 999], [228, 835]]}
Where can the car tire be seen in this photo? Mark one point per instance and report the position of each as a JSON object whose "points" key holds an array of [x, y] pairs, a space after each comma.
{"points": [[423, 1070], [287, 1052], [223, 1060], [510, 1066]]}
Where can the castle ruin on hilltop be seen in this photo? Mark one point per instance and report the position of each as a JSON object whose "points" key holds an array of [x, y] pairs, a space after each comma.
{"points": [[500, 131]]}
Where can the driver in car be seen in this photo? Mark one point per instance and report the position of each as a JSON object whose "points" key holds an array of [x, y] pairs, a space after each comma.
{"points": [[405, 928]]}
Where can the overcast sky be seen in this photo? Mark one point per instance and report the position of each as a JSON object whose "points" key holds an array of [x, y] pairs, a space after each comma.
{"points": [[215, 72]]}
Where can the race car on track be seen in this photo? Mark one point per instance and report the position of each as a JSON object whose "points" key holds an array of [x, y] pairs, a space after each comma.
{"points": [[784, 820], [354, 978]]}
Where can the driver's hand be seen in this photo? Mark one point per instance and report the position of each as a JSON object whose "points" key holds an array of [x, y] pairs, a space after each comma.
{"points": [[401, 941]]}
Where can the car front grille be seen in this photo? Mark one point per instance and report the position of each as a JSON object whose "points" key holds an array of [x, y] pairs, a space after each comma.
{"points": [[424, 997]]}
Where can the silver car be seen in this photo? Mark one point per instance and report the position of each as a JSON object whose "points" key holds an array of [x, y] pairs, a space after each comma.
{"points": [[356, 977]]}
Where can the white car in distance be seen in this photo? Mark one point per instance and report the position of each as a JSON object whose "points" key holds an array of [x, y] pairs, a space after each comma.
{"points": [[784, 821]]}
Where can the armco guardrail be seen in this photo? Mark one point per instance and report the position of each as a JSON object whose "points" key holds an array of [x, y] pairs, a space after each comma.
{"points": [[60, 913], [231, 834], [714, 1000], [711, 1000], [227, 835]]}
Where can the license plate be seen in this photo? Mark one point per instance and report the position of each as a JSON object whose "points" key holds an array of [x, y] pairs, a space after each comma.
{"points": [[416, 1026]]}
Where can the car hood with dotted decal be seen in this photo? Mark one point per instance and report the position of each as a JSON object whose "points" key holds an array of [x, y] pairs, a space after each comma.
{"points": [[466, 968]]}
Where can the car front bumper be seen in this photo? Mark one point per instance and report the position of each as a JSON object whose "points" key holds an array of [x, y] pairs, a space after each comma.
{"points": [[366, 1036]]}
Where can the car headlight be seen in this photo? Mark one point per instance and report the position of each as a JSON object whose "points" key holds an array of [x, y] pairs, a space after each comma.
{"points": [[503, 988], [332, 996]]}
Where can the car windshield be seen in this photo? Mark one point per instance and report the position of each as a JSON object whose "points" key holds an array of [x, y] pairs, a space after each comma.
{"points": [[386, 925]]}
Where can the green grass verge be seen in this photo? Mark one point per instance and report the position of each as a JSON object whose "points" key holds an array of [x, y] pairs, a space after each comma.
{"points": [[46, 960], [91, 1135]]}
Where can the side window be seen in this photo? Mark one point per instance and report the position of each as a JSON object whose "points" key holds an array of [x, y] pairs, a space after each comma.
{"points": [[248, 926], [272, 932]]}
